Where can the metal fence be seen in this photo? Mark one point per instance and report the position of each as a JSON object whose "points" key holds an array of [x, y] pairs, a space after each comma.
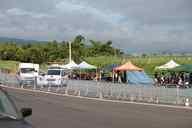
{"points": [[112, 91]]}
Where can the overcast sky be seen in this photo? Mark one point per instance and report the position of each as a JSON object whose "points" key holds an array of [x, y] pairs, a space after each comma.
{"points": [[133, 25]]}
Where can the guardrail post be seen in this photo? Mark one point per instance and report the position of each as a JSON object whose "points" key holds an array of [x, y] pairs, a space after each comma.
{"points": [[35, 83], [150, 99], [42, 86], [111, 91], [76, 91], [79, 93], [177, 94], [66, 90], [58, 88], [187, 102], [49, 87], [119, 92], [140, 94], [124, 93], [132, 98], [97, 95], [87, 90], [22, 84], [100, 93], [156, 100]]}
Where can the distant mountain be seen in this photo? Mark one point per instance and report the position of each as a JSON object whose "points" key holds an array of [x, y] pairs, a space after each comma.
{"points": [[18, 41]]}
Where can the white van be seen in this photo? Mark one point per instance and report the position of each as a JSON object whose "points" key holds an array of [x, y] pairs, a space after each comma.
{"points": [[57, 76], [27, 72]]}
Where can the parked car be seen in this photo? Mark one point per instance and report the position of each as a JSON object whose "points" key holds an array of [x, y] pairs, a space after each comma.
{"points": [[10, 117], [57, 76]]}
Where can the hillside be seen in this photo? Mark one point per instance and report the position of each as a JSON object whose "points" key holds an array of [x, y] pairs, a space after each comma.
{"points": [[18, 41]]}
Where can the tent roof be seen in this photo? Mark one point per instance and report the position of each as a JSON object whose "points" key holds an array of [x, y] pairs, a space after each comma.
{"points": [[85, 65], [183, 68], [128, 67], [169, 65], [71, 65]]}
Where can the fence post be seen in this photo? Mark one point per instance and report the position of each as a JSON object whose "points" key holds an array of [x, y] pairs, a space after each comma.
{"points": [[87, 90], [58, 87], [177, 95], [124, 93], [79, 93], [140, 93], [97, 95], [22, 84], [120, 91], [111, 90], [100, 92], [76, 90], [35, 83], [49, 87], [157, 95], [187, 102], [66, 90]]}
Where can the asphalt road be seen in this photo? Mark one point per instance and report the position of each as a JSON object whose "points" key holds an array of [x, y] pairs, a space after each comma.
{"points": [[50, 111]]}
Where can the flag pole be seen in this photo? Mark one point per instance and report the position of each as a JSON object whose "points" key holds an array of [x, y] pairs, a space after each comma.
{"points": [[69, 51]]}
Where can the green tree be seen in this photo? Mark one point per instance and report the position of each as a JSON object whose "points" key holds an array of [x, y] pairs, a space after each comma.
{"points": [[78, 48]]}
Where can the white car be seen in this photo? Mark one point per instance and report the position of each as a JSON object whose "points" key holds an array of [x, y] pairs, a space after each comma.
{"points": [[41, 80], [57, 77]]}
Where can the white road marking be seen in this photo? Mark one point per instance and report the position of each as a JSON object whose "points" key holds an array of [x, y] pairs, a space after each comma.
{"points": [[98, 99]]}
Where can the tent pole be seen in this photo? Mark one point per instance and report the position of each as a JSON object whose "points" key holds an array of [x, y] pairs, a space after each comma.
{"points": [[69, 51], [80, 74], [96, 74], [113, 76]]}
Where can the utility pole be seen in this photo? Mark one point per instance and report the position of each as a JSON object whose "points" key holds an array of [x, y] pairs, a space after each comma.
{"points": [[69, 51]]}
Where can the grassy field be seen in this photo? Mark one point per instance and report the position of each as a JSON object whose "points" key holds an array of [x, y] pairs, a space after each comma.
{"points": [[148, 63], [12, 66], [9, 65]]}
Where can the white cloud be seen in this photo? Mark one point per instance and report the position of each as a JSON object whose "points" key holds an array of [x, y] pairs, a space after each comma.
{"points": [[152, 24], [1, 15], [83, 8], [22, 12], [17, 11]]}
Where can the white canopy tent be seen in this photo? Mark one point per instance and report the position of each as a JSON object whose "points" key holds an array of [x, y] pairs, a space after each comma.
{"points": [[71, 65], [85, 65], [169, 65]]}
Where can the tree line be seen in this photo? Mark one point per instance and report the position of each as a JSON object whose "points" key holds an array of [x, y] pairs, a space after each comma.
{"points": [[56, 51]]}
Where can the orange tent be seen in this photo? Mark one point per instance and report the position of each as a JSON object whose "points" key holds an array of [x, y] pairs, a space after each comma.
{"points": [[128, 67]]}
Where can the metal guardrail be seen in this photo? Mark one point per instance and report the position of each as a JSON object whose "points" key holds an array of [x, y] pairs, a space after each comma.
{"points": [[113, 91]]}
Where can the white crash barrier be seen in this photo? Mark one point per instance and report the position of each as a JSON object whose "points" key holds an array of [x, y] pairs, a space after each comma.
{"points": [[106, 90]]}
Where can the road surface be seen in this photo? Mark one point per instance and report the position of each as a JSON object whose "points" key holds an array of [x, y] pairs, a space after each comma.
{"points": [[50, 111]]}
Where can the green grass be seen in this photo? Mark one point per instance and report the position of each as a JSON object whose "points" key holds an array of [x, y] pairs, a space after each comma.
{"points": [[9, 65], [148, 63], [12, 66]]}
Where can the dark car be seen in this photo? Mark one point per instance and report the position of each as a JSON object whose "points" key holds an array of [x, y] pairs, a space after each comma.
{"points": [[10, 117]]}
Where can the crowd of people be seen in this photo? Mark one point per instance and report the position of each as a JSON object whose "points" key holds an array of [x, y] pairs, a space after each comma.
{"points": [[118, 77], [181, 79], [83, 76]]}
